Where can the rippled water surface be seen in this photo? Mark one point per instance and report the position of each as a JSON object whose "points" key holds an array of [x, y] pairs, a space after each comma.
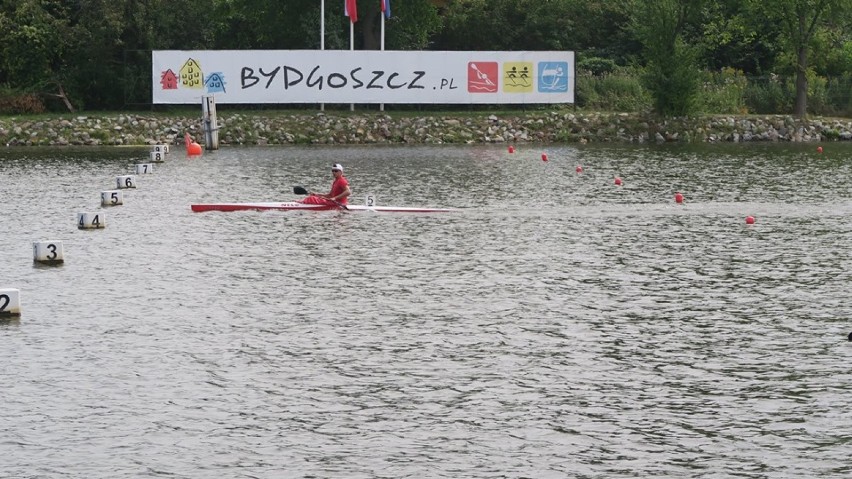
{"points": [[556, 326]]}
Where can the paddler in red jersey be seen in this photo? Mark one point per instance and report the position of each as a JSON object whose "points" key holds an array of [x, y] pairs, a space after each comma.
{"points": [[339, 194]]}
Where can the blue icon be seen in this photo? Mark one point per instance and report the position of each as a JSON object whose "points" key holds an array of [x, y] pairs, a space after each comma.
{"points": [[553, 77], [215, 83]]}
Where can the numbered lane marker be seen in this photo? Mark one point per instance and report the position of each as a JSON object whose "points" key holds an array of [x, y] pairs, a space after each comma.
{"points": [[164, 149], [126, 181], [88, 221], [370, 201], [157, 156], [112, 198], [144, 168], [49, 252], [10, 302]]}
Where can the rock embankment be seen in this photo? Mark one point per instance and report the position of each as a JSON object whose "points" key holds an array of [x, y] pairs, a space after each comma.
{"points": [[280, 128]]}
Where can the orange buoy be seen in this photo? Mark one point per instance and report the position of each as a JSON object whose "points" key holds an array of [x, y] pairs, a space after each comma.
{"points": [[511, 149], [678, 198], [618, 181], [193, 149], [819, 149], [579, 169], [749, 220]]}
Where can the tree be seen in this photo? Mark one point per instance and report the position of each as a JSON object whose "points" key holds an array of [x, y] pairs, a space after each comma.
{"points": [[672, 74], [33, 46], [730, 37], [800, 20], [508, 25]]}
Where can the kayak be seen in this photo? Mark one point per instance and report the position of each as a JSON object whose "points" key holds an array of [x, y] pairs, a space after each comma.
{"points": [[295, 206]]}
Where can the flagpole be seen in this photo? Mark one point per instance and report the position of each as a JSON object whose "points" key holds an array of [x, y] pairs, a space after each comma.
{"points": [[382, 14], [351, 48], [322, 36]]}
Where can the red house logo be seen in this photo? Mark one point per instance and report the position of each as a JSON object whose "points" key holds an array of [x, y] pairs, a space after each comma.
{"points": [[169, 80]]}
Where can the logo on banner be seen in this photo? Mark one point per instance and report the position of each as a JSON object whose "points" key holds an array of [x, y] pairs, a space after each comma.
{"points": [[191, 76], [553, 77], [517, 77], [482, 77]]}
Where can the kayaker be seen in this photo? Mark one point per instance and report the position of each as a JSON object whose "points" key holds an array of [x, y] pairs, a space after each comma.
{"points": [[339, 194]]}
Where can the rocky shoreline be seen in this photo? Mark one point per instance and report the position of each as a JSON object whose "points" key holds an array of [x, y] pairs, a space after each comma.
{"points": [[281, 128]]}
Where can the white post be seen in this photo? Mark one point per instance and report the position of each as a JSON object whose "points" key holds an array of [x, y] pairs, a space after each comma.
{"points": [[382, 14], [351, 48], [208, 117], [322, 36]]}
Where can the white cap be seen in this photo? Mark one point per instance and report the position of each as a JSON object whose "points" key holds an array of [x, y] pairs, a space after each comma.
{"points": [[336, 166]]}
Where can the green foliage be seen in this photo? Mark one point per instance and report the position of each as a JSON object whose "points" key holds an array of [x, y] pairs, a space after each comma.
{"points": [[722, 92], [772, 94], [500, 25], [803, 23], [839, 95], [674, 83], [620, 90], [671, 73], [730, 36], [596, 66], [98, 51], [412, 26], [31, 41], [19, 102]]}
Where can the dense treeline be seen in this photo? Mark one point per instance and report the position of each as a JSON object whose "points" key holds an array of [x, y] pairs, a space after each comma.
{"points": [[671, 56]]}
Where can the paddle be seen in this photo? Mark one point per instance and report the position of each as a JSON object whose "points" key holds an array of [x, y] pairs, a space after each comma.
{"points": [[300, 190]]}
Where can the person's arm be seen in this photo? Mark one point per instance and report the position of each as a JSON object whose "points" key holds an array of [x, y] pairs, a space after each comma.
{"points": [[345, 194], [321, 195]]}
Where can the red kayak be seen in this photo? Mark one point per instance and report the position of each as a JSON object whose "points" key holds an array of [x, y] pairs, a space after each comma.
{"points": [[296, 206]]}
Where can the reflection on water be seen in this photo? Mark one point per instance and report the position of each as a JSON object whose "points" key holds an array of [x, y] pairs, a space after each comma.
{"points": [[558, 326]]}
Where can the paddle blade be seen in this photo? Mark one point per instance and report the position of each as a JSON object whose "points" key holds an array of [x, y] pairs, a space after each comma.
{"points": [[298, 190]]}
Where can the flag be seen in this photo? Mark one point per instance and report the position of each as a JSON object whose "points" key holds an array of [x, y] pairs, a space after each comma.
{"points": [[386, 8], [350, 9]]}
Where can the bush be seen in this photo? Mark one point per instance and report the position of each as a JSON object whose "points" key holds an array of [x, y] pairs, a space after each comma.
{"points": [[673, 79], [839, 96], [770, 95], [596, 66], [19, 103], [620, 90], [818, 102], [723, 92]]}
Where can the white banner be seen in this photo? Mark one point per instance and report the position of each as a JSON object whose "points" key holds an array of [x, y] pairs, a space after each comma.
{"points": [[366, 76]]}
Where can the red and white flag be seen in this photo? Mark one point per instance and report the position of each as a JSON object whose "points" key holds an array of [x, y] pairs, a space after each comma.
{"points": [[350, 9]]}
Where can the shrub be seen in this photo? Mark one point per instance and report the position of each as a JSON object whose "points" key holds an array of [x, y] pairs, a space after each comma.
{"points": [[839, 95], [769, 95], [620, 90], [723, 92], [596, 66], [19, 103]]}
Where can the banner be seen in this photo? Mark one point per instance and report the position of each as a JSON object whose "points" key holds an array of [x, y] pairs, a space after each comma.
{"points": [[364, 76]]}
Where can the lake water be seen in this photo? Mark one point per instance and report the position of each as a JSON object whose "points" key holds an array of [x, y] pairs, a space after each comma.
{"points": [[556, 326]]}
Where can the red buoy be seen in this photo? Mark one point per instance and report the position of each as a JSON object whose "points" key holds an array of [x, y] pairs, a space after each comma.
{"points": [[579, 169], [511, 149], [544, 157], [819, 149], [678, 198], [193, 149], [618, 181], [749, 220]]}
